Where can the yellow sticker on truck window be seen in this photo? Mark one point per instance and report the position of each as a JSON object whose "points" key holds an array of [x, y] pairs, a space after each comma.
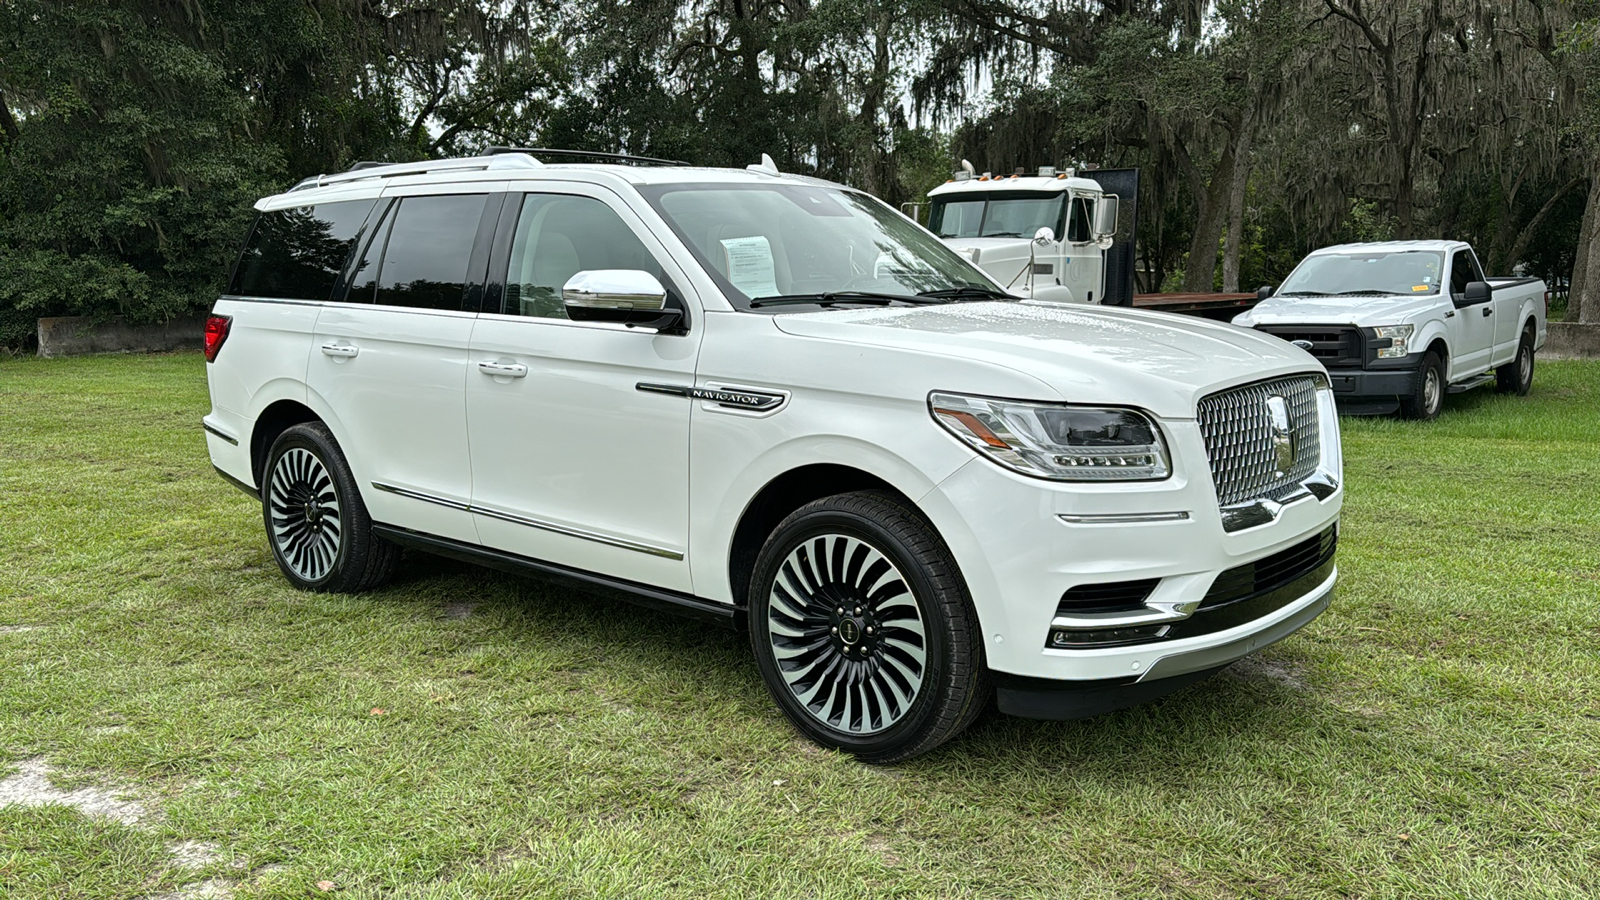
{"points": [[1421, 287]]}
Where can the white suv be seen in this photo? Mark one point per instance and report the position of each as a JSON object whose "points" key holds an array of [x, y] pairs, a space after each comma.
{"points": [[772, 401]]}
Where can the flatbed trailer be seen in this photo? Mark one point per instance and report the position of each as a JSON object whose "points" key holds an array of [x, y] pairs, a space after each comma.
{"points": [[1222, 307]]}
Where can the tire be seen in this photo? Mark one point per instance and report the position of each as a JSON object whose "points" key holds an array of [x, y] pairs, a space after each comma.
{"points": [[316, 524], [857, 681], [1427, 397], [1516, 377]]}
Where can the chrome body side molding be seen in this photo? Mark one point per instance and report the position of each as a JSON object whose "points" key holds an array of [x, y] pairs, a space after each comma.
{"points": [[518, 519]]}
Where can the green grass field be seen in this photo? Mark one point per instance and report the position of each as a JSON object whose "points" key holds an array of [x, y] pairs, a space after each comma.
{"points": [[468, 734]]}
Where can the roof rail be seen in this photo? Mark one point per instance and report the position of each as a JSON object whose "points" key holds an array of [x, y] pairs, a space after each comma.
{"points": [[364, 170], [586, 154]]}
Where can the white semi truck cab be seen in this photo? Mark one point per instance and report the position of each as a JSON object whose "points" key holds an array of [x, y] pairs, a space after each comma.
{"points": [[1042, 236]]}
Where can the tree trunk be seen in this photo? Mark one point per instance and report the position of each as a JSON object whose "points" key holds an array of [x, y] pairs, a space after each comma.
{"points": [[8, 125], [1200, 271], [1236, 190], [1583, 301]]}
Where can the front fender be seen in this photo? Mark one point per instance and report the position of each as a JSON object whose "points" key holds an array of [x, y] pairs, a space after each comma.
{"points": [[721, 498]]}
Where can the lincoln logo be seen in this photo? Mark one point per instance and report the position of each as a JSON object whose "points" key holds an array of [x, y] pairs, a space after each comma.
{"points": [[1282, 434]]}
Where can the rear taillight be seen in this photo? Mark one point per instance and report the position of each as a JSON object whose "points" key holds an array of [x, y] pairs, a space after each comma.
{"points": [[216, 333]]}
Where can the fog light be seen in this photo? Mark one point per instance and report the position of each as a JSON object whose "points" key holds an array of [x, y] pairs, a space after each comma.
{"points": [[1070, 640]]}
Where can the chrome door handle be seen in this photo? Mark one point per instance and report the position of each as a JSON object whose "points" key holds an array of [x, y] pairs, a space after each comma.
{"points": [[503, 370], [340, 348]]}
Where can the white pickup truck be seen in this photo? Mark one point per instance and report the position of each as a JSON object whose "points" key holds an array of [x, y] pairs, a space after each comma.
{"points": [[1402, 323]]}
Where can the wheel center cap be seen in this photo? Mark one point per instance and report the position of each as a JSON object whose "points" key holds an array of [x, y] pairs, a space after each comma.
{"points": [[313, 513], [849, 631]]}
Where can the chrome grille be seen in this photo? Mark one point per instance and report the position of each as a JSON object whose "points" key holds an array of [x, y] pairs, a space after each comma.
{"points": [[1238, 433]]}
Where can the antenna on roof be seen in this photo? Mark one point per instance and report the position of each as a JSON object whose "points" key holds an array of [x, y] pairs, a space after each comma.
{"points": [[765, 167]]}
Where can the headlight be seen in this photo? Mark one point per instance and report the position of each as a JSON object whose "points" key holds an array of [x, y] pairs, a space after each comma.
{"points": [[1057, 441], [1397, 335]]}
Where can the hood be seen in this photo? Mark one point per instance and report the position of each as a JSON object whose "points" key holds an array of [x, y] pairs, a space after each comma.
{"points": [[1088, 354], [1000, 258], [1386, 309]]}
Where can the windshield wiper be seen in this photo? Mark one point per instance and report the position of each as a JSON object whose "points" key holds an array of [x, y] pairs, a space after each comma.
{"points": [[1302, 294], [1364, 293], [834, 298], [968, 292], [1002, 234]]}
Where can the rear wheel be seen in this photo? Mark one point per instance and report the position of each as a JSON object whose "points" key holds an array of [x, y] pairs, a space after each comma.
{"points": [[317, 525], [1516, 377], [1427, 397], [863, 630]]}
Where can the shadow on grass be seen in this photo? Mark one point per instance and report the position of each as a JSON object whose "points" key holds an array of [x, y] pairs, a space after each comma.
{"points": [[1226, 717]]}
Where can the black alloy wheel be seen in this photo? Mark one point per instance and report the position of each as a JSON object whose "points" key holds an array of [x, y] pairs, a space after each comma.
{"points": [[863, 630]]}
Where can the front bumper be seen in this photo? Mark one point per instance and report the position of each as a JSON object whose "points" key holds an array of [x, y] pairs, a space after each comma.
{"points": [[1362, 384], [1036, 698], [1023, 543]]}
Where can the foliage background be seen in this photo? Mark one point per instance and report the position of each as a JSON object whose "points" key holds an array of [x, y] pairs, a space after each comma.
{"points": [[136, 134]]}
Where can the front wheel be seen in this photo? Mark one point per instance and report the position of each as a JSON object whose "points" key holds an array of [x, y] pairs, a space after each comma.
{"points": [[863, 630], [317, 525], [1516, 377], [1427, 398]]}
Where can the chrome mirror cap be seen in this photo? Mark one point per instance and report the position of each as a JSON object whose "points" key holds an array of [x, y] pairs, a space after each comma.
{"points": [[1044, 235], [624, 289]]}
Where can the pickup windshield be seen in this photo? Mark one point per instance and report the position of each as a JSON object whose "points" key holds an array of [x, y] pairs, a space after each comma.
{"points": [[1368, 273], [800, 245]]}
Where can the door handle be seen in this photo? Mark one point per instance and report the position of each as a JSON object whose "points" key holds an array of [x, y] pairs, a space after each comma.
{"points": [[1487, 312], [503, 370], [340, 349]]}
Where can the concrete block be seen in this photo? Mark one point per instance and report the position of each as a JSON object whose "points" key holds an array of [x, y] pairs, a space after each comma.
{"points": [[1572, 340], [78, 335]]}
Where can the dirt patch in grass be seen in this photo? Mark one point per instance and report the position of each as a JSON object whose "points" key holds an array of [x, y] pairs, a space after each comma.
{"points": [[31, 786]]}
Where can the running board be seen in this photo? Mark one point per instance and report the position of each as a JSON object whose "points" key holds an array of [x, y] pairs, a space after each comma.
{"points": [[1475, 381], [631, 591]]}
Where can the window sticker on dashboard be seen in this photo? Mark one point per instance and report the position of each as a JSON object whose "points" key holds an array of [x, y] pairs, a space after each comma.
{"points": [[750, 266], [1421, 287]]}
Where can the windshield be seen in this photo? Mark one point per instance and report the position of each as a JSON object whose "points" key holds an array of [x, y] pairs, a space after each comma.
{"points": [[1013, 214], [798, 241], [1397, 272]]}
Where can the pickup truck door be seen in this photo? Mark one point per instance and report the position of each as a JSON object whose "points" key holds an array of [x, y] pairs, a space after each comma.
{"points": [[572, 462], [1472, 328], [1507, 308]]}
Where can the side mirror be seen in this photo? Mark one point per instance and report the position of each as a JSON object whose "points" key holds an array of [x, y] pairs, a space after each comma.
{"points": [[1477, 292], [1105, 216], [1263, 292], [629, 296], [1044, 235]]}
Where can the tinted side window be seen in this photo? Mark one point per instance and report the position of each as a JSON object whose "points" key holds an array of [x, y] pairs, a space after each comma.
{"points": [[427, 251], [559, 236], [1461, 272], [297, 254]]}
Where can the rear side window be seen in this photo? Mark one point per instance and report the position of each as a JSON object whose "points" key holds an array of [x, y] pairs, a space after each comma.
{"points": [[297, 254], [419, 256]]}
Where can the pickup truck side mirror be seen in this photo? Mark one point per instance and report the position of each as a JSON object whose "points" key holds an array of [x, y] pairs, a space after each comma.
{"points": [[1476, 292], [1263, 292]]}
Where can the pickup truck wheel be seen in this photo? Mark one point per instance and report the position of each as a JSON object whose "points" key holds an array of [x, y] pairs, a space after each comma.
{"points": [[863, 630], [1516, 377], [317, 525], [1427, 398]]}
